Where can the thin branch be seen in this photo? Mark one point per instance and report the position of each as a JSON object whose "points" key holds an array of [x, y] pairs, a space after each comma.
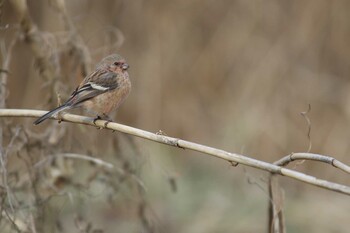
{"points": [[315, 157], [308, 121], [231, 157], [3, 169], [96, 161], [6, 57], [276, 219], [276, 222]]}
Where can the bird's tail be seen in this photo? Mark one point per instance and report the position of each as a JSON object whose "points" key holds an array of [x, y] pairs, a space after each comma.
{"points": [[51, 113]]}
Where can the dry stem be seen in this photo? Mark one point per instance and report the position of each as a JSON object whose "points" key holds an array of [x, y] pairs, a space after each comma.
{"points": [[231, 157]]}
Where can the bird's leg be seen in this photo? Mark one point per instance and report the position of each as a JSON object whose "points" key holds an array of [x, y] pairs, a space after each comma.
{"points": [[107, 119], [103, 117], [97, 118], [59, 117]]}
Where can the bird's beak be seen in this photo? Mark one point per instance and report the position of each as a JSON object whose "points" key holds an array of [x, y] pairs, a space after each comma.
{"points": [[125, 66]]}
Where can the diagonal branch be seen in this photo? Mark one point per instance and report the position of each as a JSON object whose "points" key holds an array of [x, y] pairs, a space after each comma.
{"points": [[314, 157], [231, 157]]}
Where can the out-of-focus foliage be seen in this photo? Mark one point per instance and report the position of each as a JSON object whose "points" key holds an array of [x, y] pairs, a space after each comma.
{"points": [[230, 74]]}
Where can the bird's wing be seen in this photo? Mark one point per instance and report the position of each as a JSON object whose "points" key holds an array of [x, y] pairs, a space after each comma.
{"points": [[93, 86]]}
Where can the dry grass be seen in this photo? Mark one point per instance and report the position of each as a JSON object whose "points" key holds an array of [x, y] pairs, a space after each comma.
{"points": [[229, 74]]}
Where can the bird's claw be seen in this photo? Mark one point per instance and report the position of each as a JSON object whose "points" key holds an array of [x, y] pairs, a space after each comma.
{"points": [[96, 119], [59, 118], [100, 118], [106, 123]]}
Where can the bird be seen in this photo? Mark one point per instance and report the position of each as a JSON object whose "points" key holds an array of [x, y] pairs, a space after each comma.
{"points": [[101, 92]]}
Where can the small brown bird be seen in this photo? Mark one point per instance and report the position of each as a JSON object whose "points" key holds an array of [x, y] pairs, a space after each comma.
{"points": [[101, 92]]}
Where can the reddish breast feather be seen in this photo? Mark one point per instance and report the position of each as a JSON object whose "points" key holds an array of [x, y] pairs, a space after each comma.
{"points": [[111, 100]]}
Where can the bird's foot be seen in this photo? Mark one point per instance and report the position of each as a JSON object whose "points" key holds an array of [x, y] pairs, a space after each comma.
{"points": [[96, 119], [59, 117], [107, 119], [106, 123], [103, 117]]}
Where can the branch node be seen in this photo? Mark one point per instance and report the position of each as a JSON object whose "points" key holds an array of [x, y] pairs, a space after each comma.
{"points": [[291, 157], [175, 142], [233, 164]]}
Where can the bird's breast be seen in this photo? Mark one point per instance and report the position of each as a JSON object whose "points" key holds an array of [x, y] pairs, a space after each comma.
{"points": [[109, 101]]}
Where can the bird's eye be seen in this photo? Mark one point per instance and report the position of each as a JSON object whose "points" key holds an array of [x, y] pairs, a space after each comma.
{"points": [[117, 63]]}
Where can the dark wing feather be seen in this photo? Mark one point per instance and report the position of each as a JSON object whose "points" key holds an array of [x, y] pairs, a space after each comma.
{"points": [[108, 80], [93, 87]]}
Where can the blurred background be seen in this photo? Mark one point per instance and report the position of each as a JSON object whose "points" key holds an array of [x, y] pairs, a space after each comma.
{"points": [[229, 74]]}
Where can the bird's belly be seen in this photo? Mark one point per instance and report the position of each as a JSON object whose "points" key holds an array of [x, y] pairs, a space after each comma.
{"points": [[107, 102]]}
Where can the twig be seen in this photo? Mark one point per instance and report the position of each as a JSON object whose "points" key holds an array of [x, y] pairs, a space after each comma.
{"points": [[276, 222], [4, 173], [231, 157], [12, 221], [6, 57], [96, 161], [308, 121], [276, 219], [315, 157]]}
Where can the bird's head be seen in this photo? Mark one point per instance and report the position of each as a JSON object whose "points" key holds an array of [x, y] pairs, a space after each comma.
{"points": [[114, 62]]}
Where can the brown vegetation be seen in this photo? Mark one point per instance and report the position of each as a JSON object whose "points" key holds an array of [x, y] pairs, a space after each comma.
{"points": [[230, 74]]}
